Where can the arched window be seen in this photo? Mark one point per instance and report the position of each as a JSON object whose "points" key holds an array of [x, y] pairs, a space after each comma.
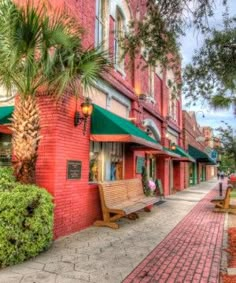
{"points": [[119, 34], [102, 23], [151, 85], [173, 93]]}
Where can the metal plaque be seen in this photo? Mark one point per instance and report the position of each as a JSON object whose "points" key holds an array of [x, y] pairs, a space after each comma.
{"points": [[140, 162], [74, 169]]}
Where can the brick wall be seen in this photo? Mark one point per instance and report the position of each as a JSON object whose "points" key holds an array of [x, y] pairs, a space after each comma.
{"points": [[77, 203]]}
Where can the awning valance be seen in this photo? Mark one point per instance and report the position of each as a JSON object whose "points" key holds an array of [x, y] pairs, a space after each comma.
{"points": [[109, 127], [5, 114], [200, 156], [184, 155]]}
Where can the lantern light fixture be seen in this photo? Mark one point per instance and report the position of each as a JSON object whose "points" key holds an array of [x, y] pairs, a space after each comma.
{"points": [[173, 146], [86, 109]]}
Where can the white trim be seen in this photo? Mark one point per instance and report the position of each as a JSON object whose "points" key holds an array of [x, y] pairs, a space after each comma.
{"points": [[153, 127], [105, 36], [124, 8], [172, 132], [120, 70], [112, 94]]}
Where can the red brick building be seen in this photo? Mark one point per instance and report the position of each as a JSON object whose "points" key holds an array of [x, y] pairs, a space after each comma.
{"points": [[211, 144], [134, 123], [203, 168]]}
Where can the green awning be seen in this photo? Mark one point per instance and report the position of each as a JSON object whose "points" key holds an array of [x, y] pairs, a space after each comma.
{"points": [[200, 156], [185, 156], [109, 127], [171, 153], [5, 114]]}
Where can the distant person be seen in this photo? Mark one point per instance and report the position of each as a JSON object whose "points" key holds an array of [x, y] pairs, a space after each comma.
{"points": [[218, 175], [222, 175]]}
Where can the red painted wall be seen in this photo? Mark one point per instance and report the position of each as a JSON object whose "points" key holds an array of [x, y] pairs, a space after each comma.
{"points": [[178, 175], [163, 173]]}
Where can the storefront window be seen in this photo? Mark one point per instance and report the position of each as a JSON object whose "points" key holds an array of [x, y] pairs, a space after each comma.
{"points": [[151, 168], [190, 174], [5, 150], [106, 161]]}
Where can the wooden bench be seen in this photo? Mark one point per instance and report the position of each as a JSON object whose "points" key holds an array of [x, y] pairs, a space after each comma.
{"points": [[222, 204], [121, 198], [232, 182]]}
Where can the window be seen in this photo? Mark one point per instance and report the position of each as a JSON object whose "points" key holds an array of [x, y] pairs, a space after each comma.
{"points": [[173, 109], [5, 96], [119, 34], [151, 168], [5, 150], [101, 31], [159, 70], [151, 81], [106, 161], [173, 94]]}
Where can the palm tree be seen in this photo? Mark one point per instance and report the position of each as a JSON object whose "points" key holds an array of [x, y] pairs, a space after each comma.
{"points": [[40, 51]]}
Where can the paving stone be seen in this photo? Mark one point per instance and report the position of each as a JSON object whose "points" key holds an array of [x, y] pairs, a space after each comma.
{"points": [[105, 277], [59, 267], [26, 267], [48, 257], [75, 275], [75, 258], [62, 279], [39, 277], [10, 277], [88, 267]]}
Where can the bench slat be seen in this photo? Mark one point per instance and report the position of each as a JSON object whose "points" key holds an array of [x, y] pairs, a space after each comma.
{"points": [[114, 193], [223, 202]]}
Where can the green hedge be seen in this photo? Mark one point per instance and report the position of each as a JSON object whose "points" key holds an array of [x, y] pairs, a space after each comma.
{"points": [[7, 180], [26, 220]]}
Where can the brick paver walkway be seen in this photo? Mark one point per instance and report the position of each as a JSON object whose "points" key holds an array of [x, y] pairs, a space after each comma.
{"points": [[190, 253], [107, 256]]}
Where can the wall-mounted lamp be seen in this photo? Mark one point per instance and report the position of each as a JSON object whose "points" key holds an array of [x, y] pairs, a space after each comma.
{"points": [[173, 146], [142, 97], [87, 109]]}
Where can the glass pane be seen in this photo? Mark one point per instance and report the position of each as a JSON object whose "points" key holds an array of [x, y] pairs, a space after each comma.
{"points": [[5, 150], [100, 21], [95, 164]]}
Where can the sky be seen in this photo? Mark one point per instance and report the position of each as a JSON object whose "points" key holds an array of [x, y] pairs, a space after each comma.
{"points": [[193, 41]]}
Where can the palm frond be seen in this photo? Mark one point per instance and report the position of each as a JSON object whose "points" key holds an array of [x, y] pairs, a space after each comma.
{"points": [[93, 62], [221, 102]]}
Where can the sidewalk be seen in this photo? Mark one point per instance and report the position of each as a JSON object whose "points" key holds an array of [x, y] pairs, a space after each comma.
{"points": [[181, 237]]}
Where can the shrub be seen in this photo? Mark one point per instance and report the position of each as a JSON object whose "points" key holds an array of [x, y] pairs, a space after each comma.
{"points": [[26, 222], [7, 180]]}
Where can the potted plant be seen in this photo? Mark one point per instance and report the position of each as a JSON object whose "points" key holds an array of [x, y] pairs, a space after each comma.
{"points": [[149, 187]]}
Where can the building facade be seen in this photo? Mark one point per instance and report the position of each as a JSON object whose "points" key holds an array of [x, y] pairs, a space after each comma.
{"points": [[212, 143], [203, 167], [135, 122]]}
